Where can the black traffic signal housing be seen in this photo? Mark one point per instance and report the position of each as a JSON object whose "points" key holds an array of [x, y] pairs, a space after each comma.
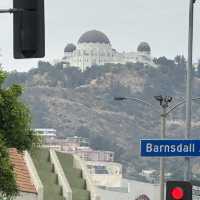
{"points": [[178, 190], [29, 31]]}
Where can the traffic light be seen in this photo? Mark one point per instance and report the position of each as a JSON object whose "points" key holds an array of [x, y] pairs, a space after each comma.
{"points": [[29, 31], [178, 190]]}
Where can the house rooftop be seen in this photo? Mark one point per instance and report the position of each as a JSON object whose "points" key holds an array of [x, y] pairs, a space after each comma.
{"points": [[22, 174]]}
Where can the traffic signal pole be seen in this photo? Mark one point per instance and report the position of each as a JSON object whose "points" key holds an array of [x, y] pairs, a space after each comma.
{"points": [[187, 170], [28, 28]]}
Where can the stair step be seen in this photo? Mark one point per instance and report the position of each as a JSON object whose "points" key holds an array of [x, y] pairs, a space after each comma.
{"points": [[67, 159], [79, 194], [77, 183], [74, 176], [72, 171], [52, 191]]}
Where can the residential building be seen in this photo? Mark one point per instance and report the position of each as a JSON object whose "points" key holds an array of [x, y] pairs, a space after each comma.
{"points": [[27, 179], [105, 174]]}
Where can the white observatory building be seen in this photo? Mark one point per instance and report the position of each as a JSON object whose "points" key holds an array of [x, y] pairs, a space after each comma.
{"points": [[95, 48]]}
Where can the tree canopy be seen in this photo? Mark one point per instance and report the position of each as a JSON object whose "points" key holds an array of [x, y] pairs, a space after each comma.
{"points": [[8, 186], [15, 132]]}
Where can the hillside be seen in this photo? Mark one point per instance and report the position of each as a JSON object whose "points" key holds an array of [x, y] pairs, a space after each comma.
{"points": [[81, 103]]}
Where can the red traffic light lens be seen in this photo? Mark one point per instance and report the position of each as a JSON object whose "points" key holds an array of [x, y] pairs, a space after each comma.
{"points": [[177, 193]]}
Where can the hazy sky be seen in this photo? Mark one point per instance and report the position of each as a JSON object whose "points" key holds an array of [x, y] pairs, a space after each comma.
{"points": [[162, 23]]}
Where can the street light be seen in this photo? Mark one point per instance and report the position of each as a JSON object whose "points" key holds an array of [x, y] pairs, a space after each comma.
{"points": [[187, 173], [164, 103], [166, 109]]}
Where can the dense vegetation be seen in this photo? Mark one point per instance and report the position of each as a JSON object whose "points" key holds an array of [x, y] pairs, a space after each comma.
{"points": [[15, 132], [167, 79], [169, 72]]}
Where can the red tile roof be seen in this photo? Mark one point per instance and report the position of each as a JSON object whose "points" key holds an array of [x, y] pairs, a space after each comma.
{"points": [[23, 178]]}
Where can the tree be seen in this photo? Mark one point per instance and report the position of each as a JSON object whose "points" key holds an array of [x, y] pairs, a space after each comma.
{"points": [[8, 186], [198, 69], [180, 70], [180, 60], [15, 132], [83, 131]]}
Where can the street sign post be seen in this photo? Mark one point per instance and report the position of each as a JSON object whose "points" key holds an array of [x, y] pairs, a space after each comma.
{"points": [[195, 189], [170, 148]]}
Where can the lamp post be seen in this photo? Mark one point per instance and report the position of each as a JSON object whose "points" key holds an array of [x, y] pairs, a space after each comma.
{"points": [[187, 171], [166, 109], [164, 103]]}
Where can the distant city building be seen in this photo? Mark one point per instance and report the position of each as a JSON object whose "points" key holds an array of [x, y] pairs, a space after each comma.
{"points": [[150, 175], [74, 145], [46, 132], [105, 174], [89, 154], [95, 48], [80, 140], [153, 175]]}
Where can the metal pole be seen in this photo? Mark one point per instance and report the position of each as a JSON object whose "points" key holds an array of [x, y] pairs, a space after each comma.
{"points": [[11, 10], [187, 172], [162, 161], [5, 10]]}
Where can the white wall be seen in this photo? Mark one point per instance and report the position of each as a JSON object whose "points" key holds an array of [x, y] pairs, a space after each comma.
{"points": [[26, 196], [80, 164], [106, 180], [62, 180], [34, 176], [136, 189], [112, 179]]}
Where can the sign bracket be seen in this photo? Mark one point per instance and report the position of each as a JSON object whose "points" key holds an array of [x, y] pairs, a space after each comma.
{"points": [[11, 10]]}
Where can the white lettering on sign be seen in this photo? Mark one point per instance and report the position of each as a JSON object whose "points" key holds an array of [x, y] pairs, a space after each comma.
{"points": [[149, 148], [181, 148]]}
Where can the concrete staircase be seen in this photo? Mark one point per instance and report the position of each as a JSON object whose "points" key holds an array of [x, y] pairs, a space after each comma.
{"points": [[74, 176], [52, 191]]}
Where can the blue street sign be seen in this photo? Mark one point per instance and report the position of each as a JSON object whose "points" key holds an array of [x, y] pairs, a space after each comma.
{"points": [[170, 148]]}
